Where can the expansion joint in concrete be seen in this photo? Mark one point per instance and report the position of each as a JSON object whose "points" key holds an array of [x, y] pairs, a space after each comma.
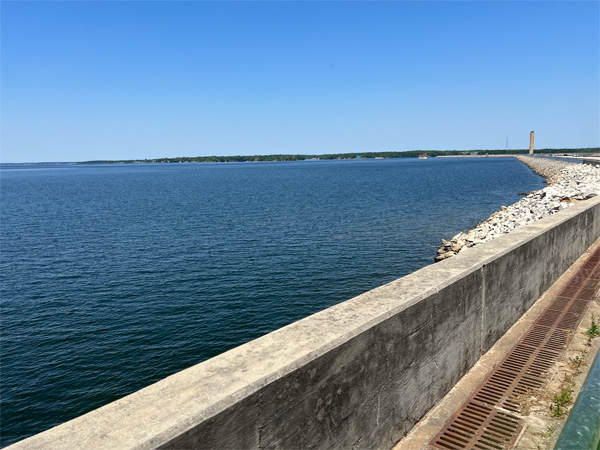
{"points": [[482, 330]]}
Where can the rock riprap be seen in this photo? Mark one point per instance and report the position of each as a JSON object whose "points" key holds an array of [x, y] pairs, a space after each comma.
{"points": [[567, 183]]}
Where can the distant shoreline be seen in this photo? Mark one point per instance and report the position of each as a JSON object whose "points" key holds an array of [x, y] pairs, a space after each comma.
{"points": [[333, 156], [346, 156], [478, 156]]}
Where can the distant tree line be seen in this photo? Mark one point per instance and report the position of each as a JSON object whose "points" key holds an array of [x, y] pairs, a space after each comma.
{"points": [[363, 155]]}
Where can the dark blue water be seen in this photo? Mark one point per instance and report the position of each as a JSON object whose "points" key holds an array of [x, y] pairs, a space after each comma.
{"points": [[115, 276]]}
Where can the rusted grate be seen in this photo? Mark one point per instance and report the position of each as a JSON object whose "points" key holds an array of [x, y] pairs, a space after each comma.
{"points": [[557, 341], [576, 282], [596, 256], [560, 303], [591, 261], [548, 318], [485, 421], [578, 306], [589, 273], [541, 363], [479, 426], [570, 291], [521, 371], [536, 335], [569, 321], [586, 293]]}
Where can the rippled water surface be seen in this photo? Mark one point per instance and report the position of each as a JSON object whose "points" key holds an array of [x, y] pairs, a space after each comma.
{"points": [[115, 276]]}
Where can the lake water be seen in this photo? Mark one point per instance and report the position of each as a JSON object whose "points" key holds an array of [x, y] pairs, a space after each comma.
{"points": [[116, 276]]}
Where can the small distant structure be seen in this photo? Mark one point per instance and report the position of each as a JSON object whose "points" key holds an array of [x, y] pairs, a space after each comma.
{"points": [[423, 156], [359, 156], [531, 142]]}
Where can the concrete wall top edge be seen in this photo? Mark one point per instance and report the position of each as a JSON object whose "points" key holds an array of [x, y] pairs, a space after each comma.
{"points": [[164, 409]]}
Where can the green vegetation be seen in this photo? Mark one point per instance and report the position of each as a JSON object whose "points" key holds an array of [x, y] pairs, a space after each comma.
{"points": [[561, 400], [549, 430], [365, 155], [282, 157], [593, 330], [576, 362]]}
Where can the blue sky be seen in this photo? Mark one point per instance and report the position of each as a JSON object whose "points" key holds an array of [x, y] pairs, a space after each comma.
{"points": [[123, 80]]}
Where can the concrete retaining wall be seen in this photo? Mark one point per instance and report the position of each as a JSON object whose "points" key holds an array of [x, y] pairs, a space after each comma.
{"points": [[357, 375]]}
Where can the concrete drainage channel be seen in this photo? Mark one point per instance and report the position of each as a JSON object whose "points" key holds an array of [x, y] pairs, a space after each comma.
{"points": [[488, 419]]}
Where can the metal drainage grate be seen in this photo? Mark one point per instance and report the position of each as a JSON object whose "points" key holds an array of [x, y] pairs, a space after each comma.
{"points": [[486, 420], [479, 426], [557, 341], [589, 273]]}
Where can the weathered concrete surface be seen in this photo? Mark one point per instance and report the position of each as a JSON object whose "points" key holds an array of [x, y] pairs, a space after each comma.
{"points": [[357, 375], [517, 278], [426, 429]]}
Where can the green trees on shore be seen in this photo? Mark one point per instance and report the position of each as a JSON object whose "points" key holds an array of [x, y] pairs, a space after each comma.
{"points": [[365, 155]]}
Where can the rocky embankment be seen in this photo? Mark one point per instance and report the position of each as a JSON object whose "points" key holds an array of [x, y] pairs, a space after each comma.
{"points": [[567, 183]]}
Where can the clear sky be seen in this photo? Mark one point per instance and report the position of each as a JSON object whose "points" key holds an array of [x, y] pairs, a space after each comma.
{"points": [[124, 80]]}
